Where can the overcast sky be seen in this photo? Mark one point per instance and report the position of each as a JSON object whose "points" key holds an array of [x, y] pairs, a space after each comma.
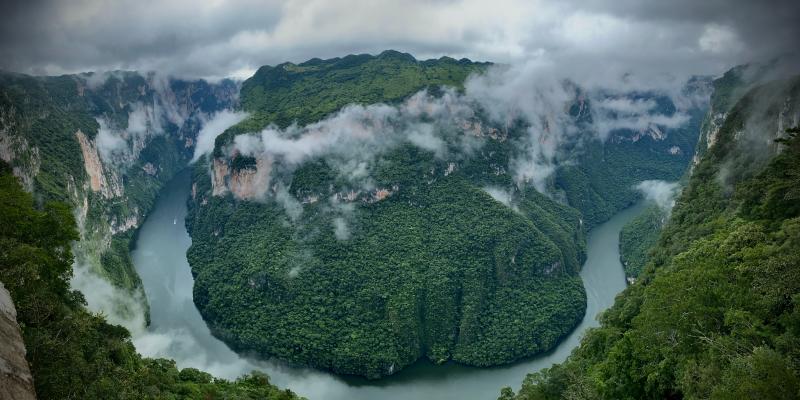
{"points": [[220, 38]]}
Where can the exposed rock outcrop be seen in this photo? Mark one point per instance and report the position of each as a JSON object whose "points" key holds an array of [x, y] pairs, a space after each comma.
{"points": [[245, 184], [109, 187], [219, 173], [16, 381]]}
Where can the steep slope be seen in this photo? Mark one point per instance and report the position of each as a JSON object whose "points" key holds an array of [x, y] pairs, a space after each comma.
{"points": [[382, 233], [105, 144], [638, 237], [72, 352], [16, 381], [714, 314]]}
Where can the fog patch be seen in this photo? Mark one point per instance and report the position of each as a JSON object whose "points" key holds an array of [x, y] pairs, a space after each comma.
{"points": [[352, 139], [213, 126], [110, 143], [771, 110], [424, 138], [119, 307], [289, 203], [340, 229], [503, 196], [662, 193], [557, 117], [539, 95], [165, 98], [122, 145]]}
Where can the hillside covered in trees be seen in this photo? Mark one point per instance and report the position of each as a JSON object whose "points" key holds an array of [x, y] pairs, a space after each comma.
{"points": [[714, 313], [409, 234]]}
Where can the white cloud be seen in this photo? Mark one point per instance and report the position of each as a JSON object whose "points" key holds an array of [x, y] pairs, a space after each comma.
{"points": [[213, 127], [340, 229], [119, 307], [503, 196], [662, 193], [110, 143]]}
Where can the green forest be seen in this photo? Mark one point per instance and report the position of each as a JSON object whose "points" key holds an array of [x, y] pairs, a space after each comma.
{"points": [[307, 92], [638, 237], [73, 353], [715, 311], [438, 269]]}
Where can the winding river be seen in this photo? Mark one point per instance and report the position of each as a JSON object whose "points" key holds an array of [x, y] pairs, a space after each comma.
{"points": [[178, 331]]}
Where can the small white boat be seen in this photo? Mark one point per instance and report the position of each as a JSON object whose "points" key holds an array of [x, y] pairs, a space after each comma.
{"points": [[174, 221]]}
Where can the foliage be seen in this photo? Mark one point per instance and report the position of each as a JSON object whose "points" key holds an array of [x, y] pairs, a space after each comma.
{"points": [[73, 353], [638, 236], [716, 311], [602, 180], [437, 269]]}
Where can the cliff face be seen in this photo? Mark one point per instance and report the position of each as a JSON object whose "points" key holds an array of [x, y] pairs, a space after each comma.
{"points": [[250, 183], [15, 150], [104, 143], [108, 187], [16, 382]]}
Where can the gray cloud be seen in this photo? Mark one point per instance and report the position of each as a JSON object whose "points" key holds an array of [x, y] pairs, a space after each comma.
{"points": [[234, 37]]}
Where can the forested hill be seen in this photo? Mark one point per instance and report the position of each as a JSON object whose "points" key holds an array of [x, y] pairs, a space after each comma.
{"points": [[715, 313], [75, 354], [307, 92], [358, 237]]}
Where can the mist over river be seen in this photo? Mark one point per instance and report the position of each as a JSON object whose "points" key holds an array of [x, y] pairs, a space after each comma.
{"points": [[178, 331]]}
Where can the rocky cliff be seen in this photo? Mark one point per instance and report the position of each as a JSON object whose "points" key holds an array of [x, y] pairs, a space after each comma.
{"points": [[16, 382]]}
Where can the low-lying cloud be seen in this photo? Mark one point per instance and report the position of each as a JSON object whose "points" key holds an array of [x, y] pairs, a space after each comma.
{"points": [[118, 306], [121, 145], [213, 126], [662, 193], [536, 96], [352, 138], [503, 196]]}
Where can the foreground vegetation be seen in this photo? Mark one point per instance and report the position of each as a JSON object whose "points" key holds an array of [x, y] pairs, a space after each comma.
{"points": [[716, 311], [74, 354]]}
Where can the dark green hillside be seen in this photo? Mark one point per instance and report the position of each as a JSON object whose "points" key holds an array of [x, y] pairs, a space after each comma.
{"points": [[437, 269], [715, 313], [307, 92], [74, 354], [638, 236], [601, 181]]}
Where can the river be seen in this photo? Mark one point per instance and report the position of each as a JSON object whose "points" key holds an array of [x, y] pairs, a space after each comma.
{"points": [[178, 331]]}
